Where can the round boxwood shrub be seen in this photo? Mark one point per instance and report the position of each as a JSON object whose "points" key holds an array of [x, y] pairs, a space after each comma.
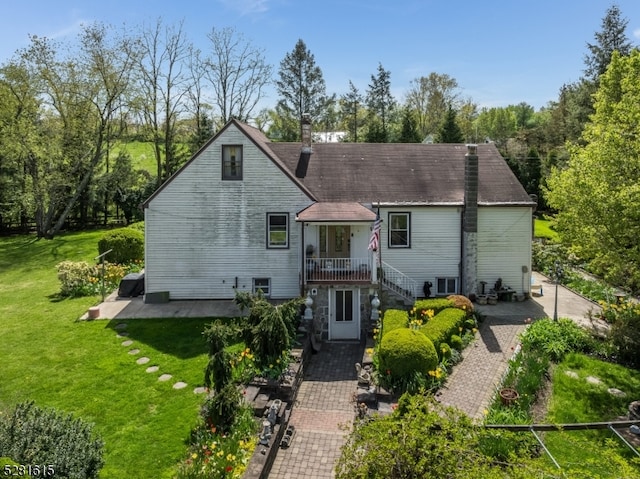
{"points": [[127, 245], [404, 352], [456, 342]]}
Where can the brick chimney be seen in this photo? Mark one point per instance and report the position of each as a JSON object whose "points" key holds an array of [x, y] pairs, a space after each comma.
{"points": [[470, 223]]}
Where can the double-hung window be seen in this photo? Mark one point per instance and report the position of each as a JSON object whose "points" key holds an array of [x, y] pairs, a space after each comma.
{"points": [[277, 230], [231, 162], [446, 286], [399, 230]]}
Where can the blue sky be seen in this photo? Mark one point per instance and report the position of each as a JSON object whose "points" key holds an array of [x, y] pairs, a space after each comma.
{"points": [[501, 52]]}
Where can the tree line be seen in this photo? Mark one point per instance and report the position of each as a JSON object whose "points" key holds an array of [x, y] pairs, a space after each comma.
{"points": [[67, 109]]}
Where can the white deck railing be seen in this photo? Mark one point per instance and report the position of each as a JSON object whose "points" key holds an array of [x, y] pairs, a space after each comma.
{"points": [[337, 269], [399, 282]]}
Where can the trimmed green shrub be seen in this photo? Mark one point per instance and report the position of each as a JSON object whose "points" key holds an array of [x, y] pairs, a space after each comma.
{"points": [[469, 324], [404, 351], [435, 304], [445, 324], [394, 319], [456, 342], [138, 225], [127, 246], [32, 435]]}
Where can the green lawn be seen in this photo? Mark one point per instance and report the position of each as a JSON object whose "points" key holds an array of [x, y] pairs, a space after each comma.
{"points": [[141, 153], [543, 228], [81, 367], [577, 400]]}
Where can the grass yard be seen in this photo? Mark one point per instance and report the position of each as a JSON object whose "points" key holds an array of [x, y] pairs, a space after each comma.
{"points": [[141, 153], [543, 228], [82, 368], [577, 400]]}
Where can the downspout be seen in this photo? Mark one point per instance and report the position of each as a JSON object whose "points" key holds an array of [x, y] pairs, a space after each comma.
{"points": [[303, 270]]}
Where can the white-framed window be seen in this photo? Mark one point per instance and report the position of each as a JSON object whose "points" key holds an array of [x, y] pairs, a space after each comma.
{"points": [[262, 284], [399, 230], [446, 286], [277, 230], [232, 162]]}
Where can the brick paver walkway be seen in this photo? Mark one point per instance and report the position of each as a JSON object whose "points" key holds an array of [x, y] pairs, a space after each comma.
{"points": [[323, 410]]}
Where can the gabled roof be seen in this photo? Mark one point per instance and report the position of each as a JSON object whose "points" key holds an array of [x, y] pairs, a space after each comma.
{"points": [[335, 211], [402, 173], [384, 173]]}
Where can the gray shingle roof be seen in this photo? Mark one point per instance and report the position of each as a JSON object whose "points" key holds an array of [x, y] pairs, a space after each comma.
{"points": [[401, 173]]}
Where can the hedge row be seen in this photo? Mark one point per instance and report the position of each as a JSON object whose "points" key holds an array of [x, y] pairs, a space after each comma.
{"points": [[444, 325], [436, 304], [394, 319]]}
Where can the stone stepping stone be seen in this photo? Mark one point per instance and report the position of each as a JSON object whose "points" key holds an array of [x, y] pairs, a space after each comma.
{"points": [[179, 385], [133, 352], [572, 374], [152, 369], [128, 342], [616, 392], [123, 334], [165, 377], [142, 360], [121, 326], [199, 390], [593, 380]]}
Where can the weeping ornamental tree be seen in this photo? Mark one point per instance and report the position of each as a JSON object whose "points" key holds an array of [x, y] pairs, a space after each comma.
{"points": [[598, 194]]}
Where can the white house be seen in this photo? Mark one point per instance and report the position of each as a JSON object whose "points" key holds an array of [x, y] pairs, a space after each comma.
{"points": [[296, 219]]}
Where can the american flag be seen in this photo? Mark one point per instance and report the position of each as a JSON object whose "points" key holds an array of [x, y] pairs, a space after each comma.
{"points": [[374, 241]]}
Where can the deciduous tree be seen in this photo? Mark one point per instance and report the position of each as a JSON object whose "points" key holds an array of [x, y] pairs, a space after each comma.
{"points": [[598, 195]]}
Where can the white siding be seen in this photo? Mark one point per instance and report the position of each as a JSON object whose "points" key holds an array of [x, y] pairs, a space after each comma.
{"points": [[435, 243], [202, 233], [504, 246]]}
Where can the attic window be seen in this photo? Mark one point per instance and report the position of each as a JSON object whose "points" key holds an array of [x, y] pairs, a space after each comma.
{"points": [[231, 162]]}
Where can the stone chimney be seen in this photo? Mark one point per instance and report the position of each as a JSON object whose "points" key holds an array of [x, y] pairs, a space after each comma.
{"points": [[306, 132], [470, 223], [305, 152]]}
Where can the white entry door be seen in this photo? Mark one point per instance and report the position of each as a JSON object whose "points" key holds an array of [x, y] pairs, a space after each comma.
{"points": [[344, 314]]}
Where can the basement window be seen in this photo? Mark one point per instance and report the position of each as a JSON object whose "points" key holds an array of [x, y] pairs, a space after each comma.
{"points": [[232, 162], [446, 286], [262, 284]]}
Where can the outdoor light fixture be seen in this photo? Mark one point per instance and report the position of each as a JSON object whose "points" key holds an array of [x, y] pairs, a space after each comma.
{"points": [[558, 273], [375, 304]]}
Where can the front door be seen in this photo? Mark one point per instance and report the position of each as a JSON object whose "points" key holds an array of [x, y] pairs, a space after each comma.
{"points": [[334, 241], [344, 314]]}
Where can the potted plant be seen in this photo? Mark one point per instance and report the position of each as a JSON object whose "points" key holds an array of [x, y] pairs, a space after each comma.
{"points": [[508, 396]]}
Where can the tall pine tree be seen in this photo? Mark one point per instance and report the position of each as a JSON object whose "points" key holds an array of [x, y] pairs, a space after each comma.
{"points": [[381, 104], [450, 131]]}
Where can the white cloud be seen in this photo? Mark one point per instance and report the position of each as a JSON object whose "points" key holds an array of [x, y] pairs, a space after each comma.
{"points": [[72, 29], [247, 7], [636, 33]]}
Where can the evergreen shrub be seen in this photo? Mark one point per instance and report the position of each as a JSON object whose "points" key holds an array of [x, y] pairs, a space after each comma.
{"points": [[127, 245], [445, 324], [394, 319], [404, 352], [435, 304], [33, 435]]}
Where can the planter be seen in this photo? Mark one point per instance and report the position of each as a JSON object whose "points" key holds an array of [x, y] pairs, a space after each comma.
{"points": [[492, 299], [481, 299], [508, 396]]}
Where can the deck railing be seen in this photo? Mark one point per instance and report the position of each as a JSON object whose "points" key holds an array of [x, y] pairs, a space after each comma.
{"points": [[338, 270]]}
